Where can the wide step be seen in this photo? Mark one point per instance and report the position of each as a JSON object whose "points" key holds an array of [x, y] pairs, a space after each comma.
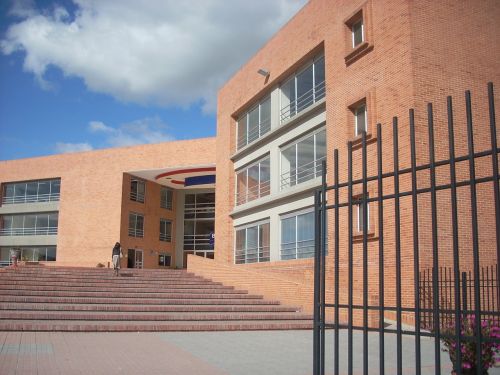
{"points": [[80, 299]]}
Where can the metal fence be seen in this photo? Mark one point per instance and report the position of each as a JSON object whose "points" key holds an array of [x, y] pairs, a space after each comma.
{"points": [[351, 295]]}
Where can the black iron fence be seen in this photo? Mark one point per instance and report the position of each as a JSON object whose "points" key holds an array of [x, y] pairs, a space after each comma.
{"points": [[346, 303], [488, 290]]}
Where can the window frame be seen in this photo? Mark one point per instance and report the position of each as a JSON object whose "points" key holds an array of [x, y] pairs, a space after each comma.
{"points": [[356, 110], [296, 214], [294, 143], [261, 122], [138, 233], [166, 237], [14, 198], [165, 256], [318, 89], [260, 194], [246, 227], [136, 196], [353, 32], [167, 203]]}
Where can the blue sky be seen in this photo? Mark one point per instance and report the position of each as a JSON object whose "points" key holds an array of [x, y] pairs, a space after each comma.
{"points": [[90, 74]]}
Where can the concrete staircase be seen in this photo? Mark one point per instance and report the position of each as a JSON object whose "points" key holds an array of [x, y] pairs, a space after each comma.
{"points": [[37, 298]]}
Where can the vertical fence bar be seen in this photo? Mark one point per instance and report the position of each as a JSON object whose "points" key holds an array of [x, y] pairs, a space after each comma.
{"points": [[380, 252], [364, 202], [435, 249], [350, 260], [323, 262], [317, 319], [475, 233], [494, 164], [464, 294], [454, 221], [337, 258], [416, 252], [397, 224]]}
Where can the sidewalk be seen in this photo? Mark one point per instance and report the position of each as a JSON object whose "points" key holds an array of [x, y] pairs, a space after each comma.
{"points": [[203, 353]]}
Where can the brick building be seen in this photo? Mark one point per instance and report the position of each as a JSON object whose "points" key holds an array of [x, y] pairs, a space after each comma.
{"points": [[333, 71]]}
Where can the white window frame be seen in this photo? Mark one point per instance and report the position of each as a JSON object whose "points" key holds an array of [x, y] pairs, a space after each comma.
{"points": [[167, 237], [135, 226], [245, 169], [294, 144], [294, 77], [136, 197], [245, 227], [288, 216], [168, 204], [356, 111], [245, 116]]}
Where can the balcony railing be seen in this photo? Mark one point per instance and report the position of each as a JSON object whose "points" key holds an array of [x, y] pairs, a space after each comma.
{"points": [[137, 197], [302, 102], [197, 242], [42, 231], [297, 250], [166, 203], [253, 192], [255, 133], [252, 255], [301, 174], [31, 198], [132, 232], [204, 210], [165, 237]]}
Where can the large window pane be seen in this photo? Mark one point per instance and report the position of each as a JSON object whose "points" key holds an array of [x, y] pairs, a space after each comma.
{"points": [[288, 244], [20, 189], [305, 160], [305, 89], [241, 187], [252, 244], [305, 235], [265, 116], [253, 124], [31, 188], [265, 177], [253, 182], [9, 191], [242, 131], [319, 78], [288, 166]]}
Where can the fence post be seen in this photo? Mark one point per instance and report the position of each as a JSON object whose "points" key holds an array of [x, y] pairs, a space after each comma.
{"points": [[464, 292]]}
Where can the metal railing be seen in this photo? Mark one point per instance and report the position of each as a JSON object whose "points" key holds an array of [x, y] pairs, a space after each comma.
{"points": [[132, 232], [137, 197], [165, 237], [303, 173], [31, 198], [252, 255], [197, 241], [254, 192], [297, 250], [310, 97], [263, 127], [166, 203], [199, 208], [42, 231]]}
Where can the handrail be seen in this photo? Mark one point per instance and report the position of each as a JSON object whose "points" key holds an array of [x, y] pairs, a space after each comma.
{"points": [[254, 192], [50, 197], [138, 197], [302, 102], [252, 255], [28, 231], [302, 173], [132, 232]]}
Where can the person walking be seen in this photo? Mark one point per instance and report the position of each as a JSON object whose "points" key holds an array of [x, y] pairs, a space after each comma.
{"points": [[117, 254]]}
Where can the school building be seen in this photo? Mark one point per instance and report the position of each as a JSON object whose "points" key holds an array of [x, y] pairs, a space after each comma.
{"points": [[238, 208]]}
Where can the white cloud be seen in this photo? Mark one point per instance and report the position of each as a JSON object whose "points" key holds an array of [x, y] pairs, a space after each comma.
{"points": [[147, 130], [166, 52], [62, 147]]}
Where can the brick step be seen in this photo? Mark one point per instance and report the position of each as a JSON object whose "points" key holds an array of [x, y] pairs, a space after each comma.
{"points": [[145, 326], [125, 294], [138, 301], [114, 280], [95, 271], [108, 277], [19, 289], [149, 316], [143, 308]]}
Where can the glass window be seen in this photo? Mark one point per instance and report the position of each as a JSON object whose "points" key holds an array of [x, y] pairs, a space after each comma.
{"points": [[164, 260], [136, 225], [166, 198], [254, 124], [297, 236], [359, 219], [29, 224], [253, 182], [303, 89], [357, 33], [31, 191], [137, 190], [165, 230], [360, 119], [302, 161], [252, 244]]}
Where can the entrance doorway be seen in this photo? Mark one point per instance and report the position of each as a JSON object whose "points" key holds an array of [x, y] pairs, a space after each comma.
{"points": [[135, 258]]}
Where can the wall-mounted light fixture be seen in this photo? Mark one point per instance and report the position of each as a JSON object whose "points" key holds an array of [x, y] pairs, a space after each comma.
{"points": [[263, 72]]}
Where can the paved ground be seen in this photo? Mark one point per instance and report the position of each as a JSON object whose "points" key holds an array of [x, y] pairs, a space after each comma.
{"points": [[207, 353]]}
